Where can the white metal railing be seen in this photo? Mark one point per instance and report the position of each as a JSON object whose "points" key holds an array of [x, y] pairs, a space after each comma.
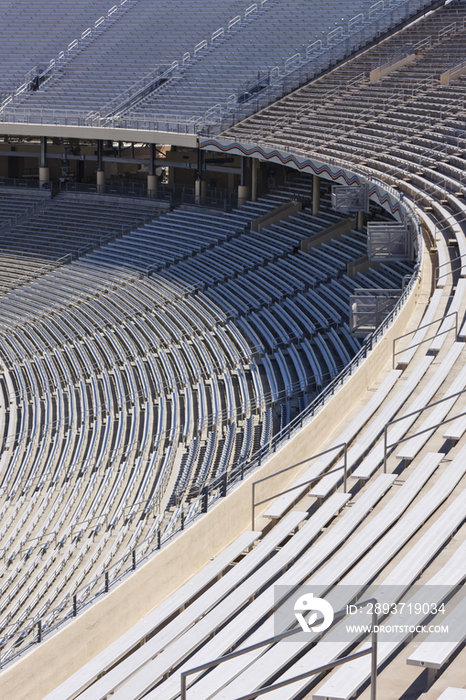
{"points": [[86, 37], [298, 68]]}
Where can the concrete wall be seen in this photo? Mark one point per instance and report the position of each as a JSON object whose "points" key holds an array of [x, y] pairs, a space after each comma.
{"points": [[382, 71], [361, 264], [279, 214], [452, 74], [55, 659], [333, 232]]}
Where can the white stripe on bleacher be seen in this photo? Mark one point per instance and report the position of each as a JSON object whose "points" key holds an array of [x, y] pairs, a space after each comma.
{"points": [[331, 573], [434, 653], [196, 610], [397, 431], [282, 503], [345, 682], [140, 684], [410, 448], [111, 654], [381, 554]]}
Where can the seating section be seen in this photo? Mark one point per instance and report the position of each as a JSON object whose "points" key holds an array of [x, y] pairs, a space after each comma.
{"points": [[196, 70], [156, 362], [47, 230], [149, 364]]}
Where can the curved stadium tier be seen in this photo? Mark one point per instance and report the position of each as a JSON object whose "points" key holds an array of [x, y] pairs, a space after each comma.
{"points": [[160, 354]]}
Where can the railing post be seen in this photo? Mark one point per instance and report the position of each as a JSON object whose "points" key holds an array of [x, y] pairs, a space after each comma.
{"points": [[385, 432], [374, 655], [106, 582], [159, 538], [134, 559], [223, 489], [75, 606], [39, 632], [205, 493], [253, 505], [345, 470], [182, 520]]}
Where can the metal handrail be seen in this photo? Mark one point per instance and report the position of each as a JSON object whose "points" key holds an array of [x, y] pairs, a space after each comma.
{"points": [[453, 313], [420, 432], [293, 466], [372, 650], [449, 262]]}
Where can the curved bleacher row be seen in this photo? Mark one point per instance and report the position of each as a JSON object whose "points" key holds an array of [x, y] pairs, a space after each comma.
{"points": [[403, 527], [142, 370]]}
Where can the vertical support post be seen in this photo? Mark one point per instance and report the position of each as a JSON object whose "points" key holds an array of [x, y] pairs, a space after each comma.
{"points": [[100, 174], [44, 171], [253, 506], [243, 189], [134, 559], [204, 499], [119, 149], [385, 450], [182, 520], [39, 631], [183, 687], [223, 489], [106, 582], [75, 606], [152, 177], [132, 149], [374, 656], [159, 539], [315, 194], [200, 185], [254, 164], [43, 151], [345, 469]]}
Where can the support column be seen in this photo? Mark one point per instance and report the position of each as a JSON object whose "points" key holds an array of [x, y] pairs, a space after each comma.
{"points": [[152, 177], [200, 191], [360, 221], [315, 194], [44, 171], [243, 189], [254, 164], [100, 174], [132, 149], [200, 185], [100, 181], [119, 149]]}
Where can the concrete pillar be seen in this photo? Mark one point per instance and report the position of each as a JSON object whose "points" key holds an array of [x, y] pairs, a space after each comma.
{"points": [[243, 194], [44, 171], [43, 151], [100, 180], [360, 221], [44, 176], [244, 171], [315, 194], [100, 152], [200, 191], [152, 159], [152, 186], [254, 164]]}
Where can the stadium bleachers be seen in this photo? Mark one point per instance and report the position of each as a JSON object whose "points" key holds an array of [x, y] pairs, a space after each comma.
{"points": [[153, 363]]}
